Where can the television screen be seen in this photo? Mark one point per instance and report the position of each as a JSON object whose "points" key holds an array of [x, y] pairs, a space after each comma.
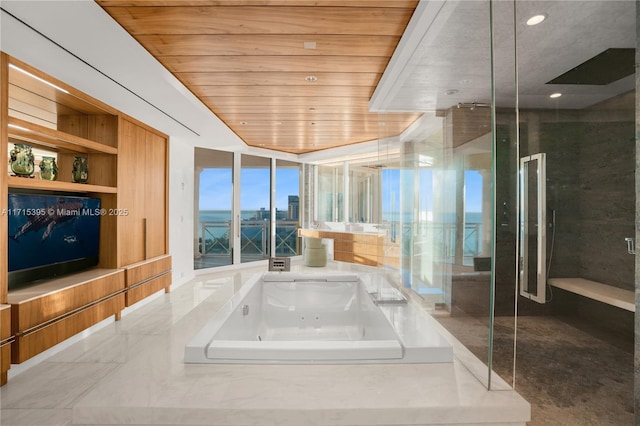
{"points": [[51, 235]]}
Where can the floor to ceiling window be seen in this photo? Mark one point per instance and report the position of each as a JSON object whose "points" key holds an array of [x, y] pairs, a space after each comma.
{"points": [[255, 208], [213, 208], [287, 202], [244, 222]]}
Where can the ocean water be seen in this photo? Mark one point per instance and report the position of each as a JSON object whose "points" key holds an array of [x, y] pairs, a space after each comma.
{"points": [[253, 233], [225, 215]]}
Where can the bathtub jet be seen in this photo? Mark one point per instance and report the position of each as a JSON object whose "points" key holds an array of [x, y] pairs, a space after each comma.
{"points": [[290, 318]]}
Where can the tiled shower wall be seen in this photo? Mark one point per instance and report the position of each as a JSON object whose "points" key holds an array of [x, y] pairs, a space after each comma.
{"points": [[591, 188]]}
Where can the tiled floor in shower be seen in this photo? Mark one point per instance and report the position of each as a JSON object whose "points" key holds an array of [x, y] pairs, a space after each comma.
{"points": [[569, 376]]}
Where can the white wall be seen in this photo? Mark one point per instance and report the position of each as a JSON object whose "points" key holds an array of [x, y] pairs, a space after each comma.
{"points": [[181, 205]]}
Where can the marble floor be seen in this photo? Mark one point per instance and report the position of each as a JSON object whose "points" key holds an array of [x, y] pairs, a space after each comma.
{"points": [[132, 372]]}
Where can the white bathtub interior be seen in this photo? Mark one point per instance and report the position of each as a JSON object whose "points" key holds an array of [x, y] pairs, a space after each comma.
{"points": [[302, 318]]}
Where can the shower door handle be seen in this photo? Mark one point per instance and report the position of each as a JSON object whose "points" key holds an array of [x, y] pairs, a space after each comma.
{"points": [[631, 249]]}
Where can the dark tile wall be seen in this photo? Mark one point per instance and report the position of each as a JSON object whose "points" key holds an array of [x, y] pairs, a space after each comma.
{"points": [[590, 187], [636, 362], [607, 194]]}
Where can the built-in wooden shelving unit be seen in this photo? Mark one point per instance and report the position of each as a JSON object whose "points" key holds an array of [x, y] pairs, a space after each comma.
{"points": [[128, 163]]}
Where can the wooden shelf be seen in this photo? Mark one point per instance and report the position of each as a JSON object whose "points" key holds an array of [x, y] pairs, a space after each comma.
{"points": [[54, 139], [47, 185]]}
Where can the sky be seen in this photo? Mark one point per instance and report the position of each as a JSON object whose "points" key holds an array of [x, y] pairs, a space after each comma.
{"points": [[216, 189]]}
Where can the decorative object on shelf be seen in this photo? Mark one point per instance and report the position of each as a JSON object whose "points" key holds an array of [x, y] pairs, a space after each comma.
{"points": [[48, 168], [80, 173], [22, 161]]}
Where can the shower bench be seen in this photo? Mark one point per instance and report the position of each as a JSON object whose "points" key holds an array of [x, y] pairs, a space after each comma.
{"points": [[605, 293]]}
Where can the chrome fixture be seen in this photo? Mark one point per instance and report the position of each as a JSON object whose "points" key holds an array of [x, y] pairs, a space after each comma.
{"points": [[631, 246], [472, 105]]}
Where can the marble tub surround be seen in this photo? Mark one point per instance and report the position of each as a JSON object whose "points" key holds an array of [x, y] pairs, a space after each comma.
{"points": [[293, 318], [132, 372]]}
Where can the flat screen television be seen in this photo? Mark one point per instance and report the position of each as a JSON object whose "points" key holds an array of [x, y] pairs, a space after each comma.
{"points": [[51, 235]]}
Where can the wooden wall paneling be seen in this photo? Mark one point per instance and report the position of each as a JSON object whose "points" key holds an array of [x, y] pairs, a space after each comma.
{"points": [[64, 160], [4, 140], [76, 124], [103, 129], [102, 169], [31, 344], [131, 177], [108, 231], [155, 195]]}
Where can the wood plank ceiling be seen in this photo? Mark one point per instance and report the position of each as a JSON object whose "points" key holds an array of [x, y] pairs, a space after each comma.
{"points": [[288, 75]]}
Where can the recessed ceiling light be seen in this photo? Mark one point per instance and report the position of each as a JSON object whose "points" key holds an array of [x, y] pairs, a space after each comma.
{"points": [[311, 79], [451, 92], [536, 19], [309, 44], [555, 95]]}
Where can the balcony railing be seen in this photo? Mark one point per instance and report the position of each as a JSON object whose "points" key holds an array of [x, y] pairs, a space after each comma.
{"points": [[427, 235], [254, 238]]}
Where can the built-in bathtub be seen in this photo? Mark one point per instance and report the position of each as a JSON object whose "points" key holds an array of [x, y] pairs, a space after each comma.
{"points": [[295, 318]]}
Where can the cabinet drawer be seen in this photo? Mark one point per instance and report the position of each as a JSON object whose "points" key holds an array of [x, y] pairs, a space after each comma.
{"points": [[142, 271], [41, 339], [5, 322], [147, 288], [34, 311], [5, 349]]}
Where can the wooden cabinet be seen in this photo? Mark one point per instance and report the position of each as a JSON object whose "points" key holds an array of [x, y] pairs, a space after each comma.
{"points": [[364, 249], [45, 314], [128, 172], [147, 277], [142, 193], [5, 342]]}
